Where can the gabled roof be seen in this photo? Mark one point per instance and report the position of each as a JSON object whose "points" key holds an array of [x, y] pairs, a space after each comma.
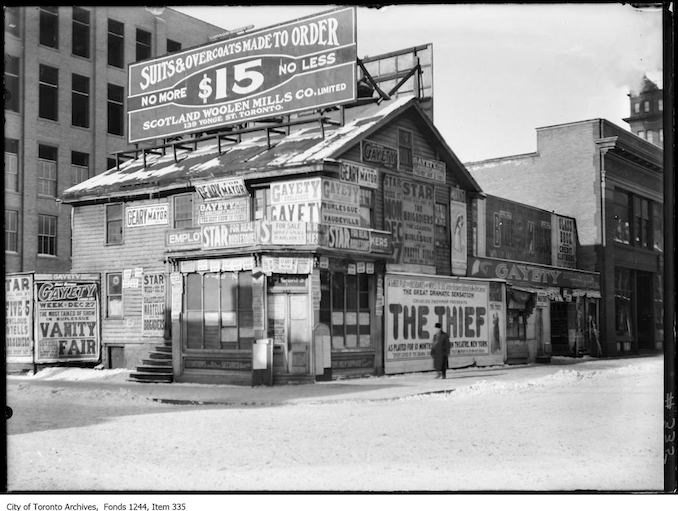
{"points": [[303, 147]]}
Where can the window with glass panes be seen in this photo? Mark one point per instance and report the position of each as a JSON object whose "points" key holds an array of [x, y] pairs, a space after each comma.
{"points": [[143, 44], [49, 27], [11, 165], [47, 234], [173, 46], [114, 295], [657, 226], [366, 207], [113, 224], [12, 21], [48, 93], [404, 149], [218, 311], [116, 43], [183, 211], [442, 221], [80, 101], [12, 94], [79, 167], [47, 170], [621, 217], [641, 222], [345, 308], [11, 230], [115, 109], [80, 35]]}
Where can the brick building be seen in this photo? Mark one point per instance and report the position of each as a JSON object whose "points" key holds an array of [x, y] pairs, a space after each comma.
{"points": [[65, 79], [610, 181]]}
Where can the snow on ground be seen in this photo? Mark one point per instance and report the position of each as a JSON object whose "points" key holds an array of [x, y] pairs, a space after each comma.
{"points": [[593, 429]]}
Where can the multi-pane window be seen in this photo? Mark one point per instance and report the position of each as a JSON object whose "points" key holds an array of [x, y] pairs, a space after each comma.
{"points": [[47, 234], [12, 21], [219, 311], [11, 165], [114, 224], [80, 101], [641, 222], [657, 227], [11, 230], [183, 211], [115, 109], [114, 295], [80, 32], [173, 46], [12, 83], [49, 27], [366, 207], [404, 149], [143, 44], [116, 43], [48, 101], [345, 308], [623, 292], [79, 167], [621, 217], [646, 106], [47, 171]]}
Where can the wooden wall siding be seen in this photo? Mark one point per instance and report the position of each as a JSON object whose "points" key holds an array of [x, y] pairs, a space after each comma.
{"points": [[143, 247], [424, 146]]}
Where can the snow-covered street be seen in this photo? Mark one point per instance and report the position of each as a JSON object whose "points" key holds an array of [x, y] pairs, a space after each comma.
{"points": [[594, 426]]}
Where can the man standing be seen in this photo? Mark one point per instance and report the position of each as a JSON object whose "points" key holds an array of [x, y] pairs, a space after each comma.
{"points": [[440, 351]]}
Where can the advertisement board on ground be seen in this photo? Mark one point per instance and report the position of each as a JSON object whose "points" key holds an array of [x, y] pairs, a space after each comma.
{"points": [[153, 304], [19, 318], [67, 318], [299, 65], [415, 303]]}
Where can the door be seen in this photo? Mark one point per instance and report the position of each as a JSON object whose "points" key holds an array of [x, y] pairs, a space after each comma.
{"points": [[644, 310], [289, 326]]}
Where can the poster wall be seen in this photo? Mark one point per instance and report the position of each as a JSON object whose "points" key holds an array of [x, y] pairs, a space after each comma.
{"points": [[153, 304], [67, 318], [414, 304], [19, 319], [459, 232]]}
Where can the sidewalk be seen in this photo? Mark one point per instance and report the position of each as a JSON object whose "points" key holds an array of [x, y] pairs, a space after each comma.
{"points": [[375, 388]]}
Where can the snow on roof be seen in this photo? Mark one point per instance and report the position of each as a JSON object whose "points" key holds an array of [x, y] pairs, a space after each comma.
{"points": [[302, 146]]}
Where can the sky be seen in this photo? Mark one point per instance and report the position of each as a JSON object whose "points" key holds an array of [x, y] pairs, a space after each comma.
{"points": [[502, 70]]}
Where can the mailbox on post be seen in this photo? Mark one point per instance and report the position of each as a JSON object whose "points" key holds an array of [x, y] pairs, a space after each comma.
{"points": [[262, 362]]}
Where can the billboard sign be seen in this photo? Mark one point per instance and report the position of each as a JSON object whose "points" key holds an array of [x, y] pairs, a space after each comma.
{"points": [[67, 318], [153, 304], [299, 65], [19, 318], [563, 245], [142, 216], [414, 304], [227, 210]]}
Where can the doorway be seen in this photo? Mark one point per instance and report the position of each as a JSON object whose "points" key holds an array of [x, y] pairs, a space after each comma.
{"points": [[644, 310], [289, 327]]}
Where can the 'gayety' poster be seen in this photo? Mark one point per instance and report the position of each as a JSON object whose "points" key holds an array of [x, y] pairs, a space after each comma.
{"points": [[67, 318], [414, 304]]}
